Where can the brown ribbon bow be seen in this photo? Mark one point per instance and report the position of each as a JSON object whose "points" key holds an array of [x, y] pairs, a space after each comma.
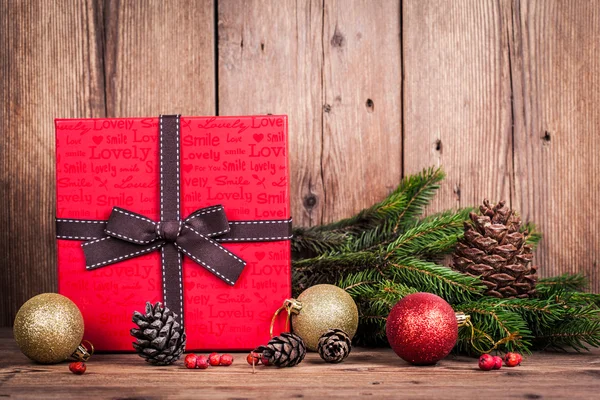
{"points": [[132, 235]]}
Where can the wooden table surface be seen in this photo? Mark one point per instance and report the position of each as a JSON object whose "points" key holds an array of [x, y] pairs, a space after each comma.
{"points": [[374, 373]]}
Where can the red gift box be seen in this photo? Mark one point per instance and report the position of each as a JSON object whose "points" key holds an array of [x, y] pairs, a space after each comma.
{"points": [[240, 163]]}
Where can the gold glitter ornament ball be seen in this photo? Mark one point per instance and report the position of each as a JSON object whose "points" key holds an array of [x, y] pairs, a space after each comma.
{"points": [[324, 307], [48, 328]]}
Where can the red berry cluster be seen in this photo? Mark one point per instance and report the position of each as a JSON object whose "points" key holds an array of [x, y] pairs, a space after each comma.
{"points": [[202, 362], [78, 368], [256, 359], [488, 362]]}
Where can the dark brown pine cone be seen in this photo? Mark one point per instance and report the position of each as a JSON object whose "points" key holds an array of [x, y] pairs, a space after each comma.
{"points": [[285, 350], [334, 346], [494, 249], [160, 339]]}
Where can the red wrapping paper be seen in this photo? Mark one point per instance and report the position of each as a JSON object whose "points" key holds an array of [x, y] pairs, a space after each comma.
{"points": [[239, 162]]}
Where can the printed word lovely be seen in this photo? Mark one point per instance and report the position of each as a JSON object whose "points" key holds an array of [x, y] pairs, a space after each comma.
{"points": [[133, 152], [102, 124], [239, 125]]}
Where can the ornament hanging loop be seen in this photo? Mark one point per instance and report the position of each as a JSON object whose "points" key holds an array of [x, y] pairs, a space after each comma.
{"points": [[82, 353], [292, 306], [465, 320]]}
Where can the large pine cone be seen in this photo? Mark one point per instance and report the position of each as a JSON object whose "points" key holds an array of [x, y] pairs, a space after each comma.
{"points": [[334, 346], [285, 350], [494, 249], [160, 339]]}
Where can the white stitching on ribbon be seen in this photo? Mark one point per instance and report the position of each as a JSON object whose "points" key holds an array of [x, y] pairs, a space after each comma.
{"points": [[128, 238], [135, 216], [75, 237], [254, 239], [95, 241], [79, 221]]}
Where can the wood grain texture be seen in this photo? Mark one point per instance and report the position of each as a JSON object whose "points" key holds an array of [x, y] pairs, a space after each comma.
{"points": [[270, 61], [556, 80], [503, 94], [377, 374], [159, 58], [362, 125], [50, 58], [457, 98]]}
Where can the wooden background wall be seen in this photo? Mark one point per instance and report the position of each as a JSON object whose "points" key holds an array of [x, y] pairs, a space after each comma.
{"points": [[505, 95]]}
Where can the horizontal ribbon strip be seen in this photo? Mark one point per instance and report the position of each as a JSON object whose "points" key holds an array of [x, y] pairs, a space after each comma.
{"points": [[239, 231]]}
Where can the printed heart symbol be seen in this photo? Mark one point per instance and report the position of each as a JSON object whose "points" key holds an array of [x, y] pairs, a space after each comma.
{"points": [[97, 139], [258, 136], [260, 255], [188, 167], [191, 285]]}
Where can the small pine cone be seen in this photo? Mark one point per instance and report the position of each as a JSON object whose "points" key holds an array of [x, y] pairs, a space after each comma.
{"points": [[160, 339], [334, 346], [285, 350]]}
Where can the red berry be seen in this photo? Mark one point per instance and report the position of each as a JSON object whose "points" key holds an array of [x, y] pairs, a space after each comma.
{"points": [[486, 362], [190, 361], [78, 368], [226, 360], [512, 359], [202, 362], [265, 361], [497, 362], [214, 359], [253, 358]]}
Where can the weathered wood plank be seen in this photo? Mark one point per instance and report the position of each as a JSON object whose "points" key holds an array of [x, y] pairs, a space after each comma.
{"points": [[556, 80], [362, 135], [159, 58], [376, 373], [457, 106], [270, 61], [50, 63]]}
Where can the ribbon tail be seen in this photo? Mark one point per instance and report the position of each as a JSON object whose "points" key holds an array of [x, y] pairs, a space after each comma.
{"points": [[172, 277], [108, 250], [211, 255]]}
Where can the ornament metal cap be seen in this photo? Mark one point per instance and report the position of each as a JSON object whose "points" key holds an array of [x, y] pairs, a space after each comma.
{"points": [[81, 353], [461, 318], [292, 306]]}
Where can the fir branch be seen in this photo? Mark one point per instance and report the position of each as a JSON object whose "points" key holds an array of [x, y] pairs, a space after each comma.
{"points": [[436, 234], [309, 241], [577, 334], [534, 235], [569, 282], [403, 204], [330, 268], [429, 277]]}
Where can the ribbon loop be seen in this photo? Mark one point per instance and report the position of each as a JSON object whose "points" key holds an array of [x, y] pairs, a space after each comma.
{"points": [[209, 221], [131, 227]]}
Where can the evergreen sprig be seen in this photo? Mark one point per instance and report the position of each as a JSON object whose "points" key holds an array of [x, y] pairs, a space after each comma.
{"points": [[389, 251], [382, 220]]}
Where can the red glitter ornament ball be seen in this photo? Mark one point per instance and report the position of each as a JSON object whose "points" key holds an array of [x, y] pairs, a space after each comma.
{"points": [[422, 328]]}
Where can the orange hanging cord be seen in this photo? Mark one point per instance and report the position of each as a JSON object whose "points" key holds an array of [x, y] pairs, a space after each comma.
{"points": [[292, 306], [465, 320]]}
